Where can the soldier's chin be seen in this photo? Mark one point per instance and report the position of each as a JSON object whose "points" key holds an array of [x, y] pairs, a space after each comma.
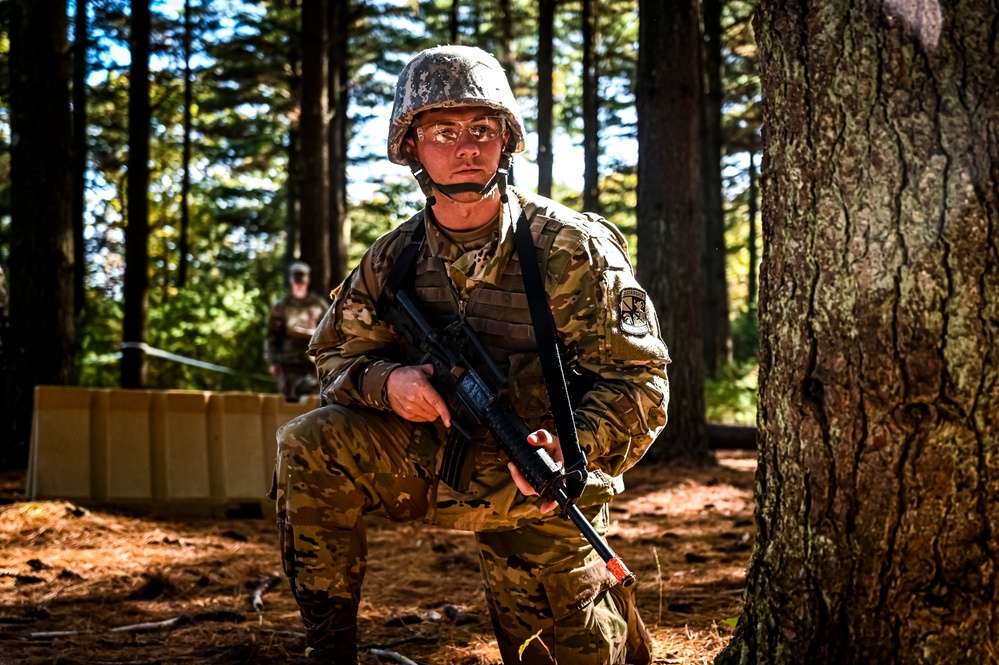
{"points": [[471, 197]]}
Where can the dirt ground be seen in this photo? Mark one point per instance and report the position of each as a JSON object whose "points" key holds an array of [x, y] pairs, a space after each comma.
{"points": [[74, 583]]}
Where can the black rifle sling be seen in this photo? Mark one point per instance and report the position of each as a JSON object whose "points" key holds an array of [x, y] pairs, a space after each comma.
{"points": [[402, 269], [551, 357]]}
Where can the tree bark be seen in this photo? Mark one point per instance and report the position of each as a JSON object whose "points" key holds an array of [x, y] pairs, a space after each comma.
{"points": [[185, 182], [339, 87], [314, 154], [292, 189], [753, 238], [591, 112], [546, 101], [717, 338], [669, 211], [39, 348], [133, 360], [877, 488], [80, 45]]}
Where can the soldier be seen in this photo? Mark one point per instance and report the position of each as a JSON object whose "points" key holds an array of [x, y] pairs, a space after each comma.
{"points": [[375, 447], [290, 326]]}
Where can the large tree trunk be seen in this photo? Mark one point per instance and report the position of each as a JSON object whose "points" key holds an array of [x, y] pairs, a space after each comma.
{"points": [[80, 46], [292, 189], [339, 84], [133, 359], [185, 171], [669, 211], [878, 488], [314, 156], [591, 112], [717, 342], [507, 56], [40, 347], [546, 33]]}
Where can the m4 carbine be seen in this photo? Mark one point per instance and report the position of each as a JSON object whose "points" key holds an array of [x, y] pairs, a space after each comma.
{"points": [[472, 386]]}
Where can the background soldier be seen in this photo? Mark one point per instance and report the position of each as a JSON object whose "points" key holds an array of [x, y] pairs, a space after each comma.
{"points": [[377, 444], [291, 323]]}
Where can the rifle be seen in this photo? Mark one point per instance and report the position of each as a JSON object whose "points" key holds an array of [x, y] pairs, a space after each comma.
{"points": [[471, 382]]}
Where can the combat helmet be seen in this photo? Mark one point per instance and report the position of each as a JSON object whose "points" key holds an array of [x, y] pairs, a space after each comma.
{"points": [[298, 268], [448, 76]]}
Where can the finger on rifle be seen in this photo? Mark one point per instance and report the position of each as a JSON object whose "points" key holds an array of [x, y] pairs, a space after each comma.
{"points": [[526, 489], [437, 403], [542, 438], [520, 481]]}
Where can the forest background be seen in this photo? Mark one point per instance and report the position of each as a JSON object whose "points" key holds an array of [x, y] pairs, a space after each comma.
{"points": [[876, 491], [263, 128]]}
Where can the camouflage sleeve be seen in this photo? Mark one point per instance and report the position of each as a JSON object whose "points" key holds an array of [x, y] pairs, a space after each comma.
{"points": [[275, 334], [354, 350], [610, 327]]}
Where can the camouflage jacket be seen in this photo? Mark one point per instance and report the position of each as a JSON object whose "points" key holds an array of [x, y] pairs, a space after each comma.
{"points": [[289, 328], [601, 314]]}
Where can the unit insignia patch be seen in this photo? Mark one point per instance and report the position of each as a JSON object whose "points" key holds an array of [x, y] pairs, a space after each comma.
{"points": [[633, 312]]}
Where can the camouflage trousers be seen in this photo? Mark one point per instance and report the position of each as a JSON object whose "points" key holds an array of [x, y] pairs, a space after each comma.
{"points": [[336, 464]]}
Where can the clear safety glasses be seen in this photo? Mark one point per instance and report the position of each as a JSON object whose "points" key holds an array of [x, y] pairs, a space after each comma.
{"points": [[482, 130]]}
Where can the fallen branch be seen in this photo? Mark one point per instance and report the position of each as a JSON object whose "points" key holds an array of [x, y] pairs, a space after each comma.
{"points": [[256, 598], [393, 656], [153, 626], [55, 634]]}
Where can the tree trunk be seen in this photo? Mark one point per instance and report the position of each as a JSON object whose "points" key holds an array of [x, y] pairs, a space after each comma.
{"points": [[877, 488], [753, 240], [39, 348], [314, 155], [507, 57], [591, 112], [292, 189], [339, 38], [185, 183], [133, 360], [80, 46], [546, 101], [669, 211], [717, 339]]}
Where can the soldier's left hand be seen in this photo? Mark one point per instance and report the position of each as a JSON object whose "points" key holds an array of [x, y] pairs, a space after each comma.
{"points": [[543, 439]]}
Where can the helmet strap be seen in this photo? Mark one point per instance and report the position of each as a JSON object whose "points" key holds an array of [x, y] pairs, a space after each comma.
{"points": [[427, 184]]}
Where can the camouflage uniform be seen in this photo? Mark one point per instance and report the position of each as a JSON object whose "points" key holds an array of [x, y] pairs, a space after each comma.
{"points": [[288, 348], [355, 456]]}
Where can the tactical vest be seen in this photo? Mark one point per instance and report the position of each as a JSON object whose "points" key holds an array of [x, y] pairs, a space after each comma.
{"points": [[499, 313]]}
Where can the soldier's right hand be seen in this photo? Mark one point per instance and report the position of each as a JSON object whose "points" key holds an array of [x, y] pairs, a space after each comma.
{"points": [[411, 396]]}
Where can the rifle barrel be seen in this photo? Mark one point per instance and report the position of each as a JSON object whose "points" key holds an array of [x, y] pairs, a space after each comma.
{"points": [[615, 565]]}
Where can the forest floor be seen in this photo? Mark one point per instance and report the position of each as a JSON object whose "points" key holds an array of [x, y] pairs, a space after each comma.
{"points": [[70, 577]]}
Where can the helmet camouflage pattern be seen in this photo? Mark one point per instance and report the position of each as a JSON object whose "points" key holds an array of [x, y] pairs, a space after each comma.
{"points": [[448, 76]]}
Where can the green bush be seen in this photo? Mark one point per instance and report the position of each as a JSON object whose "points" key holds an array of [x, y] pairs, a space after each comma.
{"points": [[731, 397]]}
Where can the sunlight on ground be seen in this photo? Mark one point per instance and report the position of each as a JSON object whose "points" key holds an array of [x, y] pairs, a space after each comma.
{"points": [[686, 534]]}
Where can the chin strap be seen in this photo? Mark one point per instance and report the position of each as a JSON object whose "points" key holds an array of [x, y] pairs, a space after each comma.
{"points": [[498, 180]]}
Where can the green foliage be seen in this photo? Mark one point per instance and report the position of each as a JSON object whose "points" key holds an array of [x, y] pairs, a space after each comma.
{"points": [[746, 336], [245, 78], [731, 397]]}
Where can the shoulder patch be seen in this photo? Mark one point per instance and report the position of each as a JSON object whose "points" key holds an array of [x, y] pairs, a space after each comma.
{"points": [[633, 312]]}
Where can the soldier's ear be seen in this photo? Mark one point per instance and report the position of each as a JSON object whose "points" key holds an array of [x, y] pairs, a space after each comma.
{"points": [[409, 146]]}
